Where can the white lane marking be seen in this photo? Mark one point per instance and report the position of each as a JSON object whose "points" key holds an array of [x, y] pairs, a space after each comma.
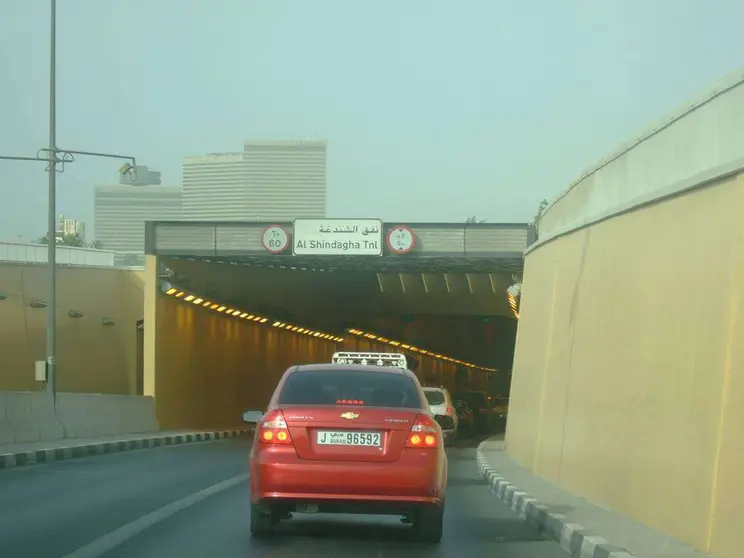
{"points": [[108, 542]]}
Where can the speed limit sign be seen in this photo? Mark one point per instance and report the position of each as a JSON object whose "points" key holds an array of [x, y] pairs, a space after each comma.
{"points": [[275, 239]]}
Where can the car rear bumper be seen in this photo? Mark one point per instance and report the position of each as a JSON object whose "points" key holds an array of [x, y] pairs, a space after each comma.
{"points": [[282, 477]]}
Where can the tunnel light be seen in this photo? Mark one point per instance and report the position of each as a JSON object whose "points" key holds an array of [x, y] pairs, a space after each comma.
{"points": [[231, 311], [414, 349], [513, 295]]}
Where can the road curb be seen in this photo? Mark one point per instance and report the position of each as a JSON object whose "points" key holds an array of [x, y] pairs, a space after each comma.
{"points": [[33, 457], [575, 539]]}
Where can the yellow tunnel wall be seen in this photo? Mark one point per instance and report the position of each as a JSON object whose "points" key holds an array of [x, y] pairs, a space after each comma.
{"points": [[91, 357], [628, 384], [209, 368]]}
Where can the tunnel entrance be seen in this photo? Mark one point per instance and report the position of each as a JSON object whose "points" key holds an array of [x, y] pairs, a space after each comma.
{"points": [[235, 304]]}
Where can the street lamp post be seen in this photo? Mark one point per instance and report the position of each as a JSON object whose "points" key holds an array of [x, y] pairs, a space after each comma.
{"points": [[55, 156], [51, 325]]}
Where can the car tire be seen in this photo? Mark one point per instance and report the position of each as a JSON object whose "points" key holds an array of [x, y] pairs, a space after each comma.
{"points": [[429, 524], [262, 523]]}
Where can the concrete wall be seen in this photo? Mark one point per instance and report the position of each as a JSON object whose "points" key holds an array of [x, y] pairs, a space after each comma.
{"points": [[31, 417], [91, 357], [699, 142], [628, 385]]}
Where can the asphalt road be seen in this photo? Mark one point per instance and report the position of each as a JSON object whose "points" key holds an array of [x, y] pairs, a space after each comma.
{"points": [[163, 502]]}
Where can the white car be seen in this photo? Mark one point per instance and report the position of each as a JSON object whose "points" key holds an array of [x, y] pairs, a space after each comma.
{"points": [[440, 403]]}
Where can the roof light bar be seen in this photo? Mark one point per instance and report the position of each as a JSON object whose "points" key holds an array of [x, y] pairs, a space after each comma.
{"points": [[396, 360]]}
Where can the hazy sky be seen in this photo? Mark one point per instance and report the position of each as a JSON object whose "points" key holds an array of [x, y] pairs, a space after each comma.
{"points": [[433, 110]]}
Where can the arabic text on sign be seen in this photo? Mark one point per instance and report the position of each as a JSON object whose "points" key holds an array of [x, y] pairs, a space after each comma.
{"points": [[349, 229]]}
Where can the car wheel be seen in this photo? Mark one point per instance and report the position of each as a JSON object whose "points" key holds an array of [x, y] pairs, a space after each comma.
{"points": [[262, 523], [429, 524]]}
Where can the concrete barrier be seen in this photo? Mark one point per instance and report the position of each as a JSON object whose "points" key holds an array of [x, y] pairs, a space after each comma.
{"points": [[27, 417], [31, 416]]}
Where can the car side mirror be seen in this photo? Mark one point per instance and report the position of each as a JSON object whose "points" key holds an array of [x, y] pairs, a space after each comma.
{"points": [[252, 416], [446, 422]]}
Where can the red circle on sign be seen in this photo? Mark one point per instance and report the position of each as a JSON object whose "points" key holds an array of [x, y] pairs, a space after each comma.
{"points": [[389, 239], [283, 242]]}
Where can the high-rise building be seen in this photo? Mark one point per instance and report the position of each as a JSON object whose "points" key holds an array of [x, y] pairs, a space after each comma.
{"points": [[121, 210], [70, 227], [268, 180]]}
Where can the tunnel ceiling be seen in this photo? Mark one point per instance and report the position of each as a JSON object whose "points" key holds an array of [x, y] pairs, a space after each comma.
{"points": [[347, 294]]}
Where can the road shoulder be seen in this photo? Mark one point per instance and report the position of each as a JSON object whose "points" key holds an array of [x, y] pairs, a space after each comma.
{"points": [[582, 528]]}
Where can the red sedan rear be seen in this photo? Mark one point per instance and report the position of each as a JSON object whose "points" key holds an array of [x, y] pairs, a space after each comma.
{"points": [[345, 438]]}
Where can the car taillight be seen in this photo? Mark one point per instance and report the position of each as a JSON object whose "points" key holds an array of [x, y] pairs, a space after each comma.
{"points": [[424, 433], [450, 411], [273, 429]]}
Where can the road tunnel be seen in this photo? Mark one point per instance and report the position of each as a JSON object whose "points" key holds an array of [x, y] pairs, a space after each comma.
{"points": [[227, 311]]}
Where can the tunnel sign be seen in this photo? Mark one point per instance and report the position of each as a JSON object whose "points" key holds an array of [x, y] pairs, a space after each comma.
{"points": [[337, 237], [275, 239], [400, 239]]}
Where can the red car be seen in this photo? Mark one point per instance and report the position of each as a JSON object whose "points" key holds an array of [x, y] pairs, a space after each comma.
{"points": [[348, 438]]}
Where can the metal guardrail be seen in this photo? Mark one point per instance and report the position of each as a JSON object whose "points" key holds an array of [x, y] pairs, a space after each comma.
{"points": [[16, 252]]}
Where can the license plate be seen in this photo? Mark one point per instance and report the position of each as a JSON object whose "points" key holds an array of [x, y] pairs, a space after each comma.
{"points": [[364, 439]]}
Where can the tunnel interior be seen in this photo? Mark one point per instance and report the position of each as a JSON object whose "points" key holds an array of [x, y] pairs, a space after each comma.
{"points": [[454, 317]]}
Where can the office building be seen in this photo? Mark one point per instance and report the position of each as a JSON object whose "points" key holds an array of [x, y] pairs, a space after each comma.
{"points": [[121, 211], [268, 180], [70, 227]]}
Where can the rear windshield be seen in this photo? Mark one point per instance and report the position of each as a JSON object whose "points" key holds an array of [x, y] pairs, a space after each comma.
{"points": [[434, 397], [328, 387]]}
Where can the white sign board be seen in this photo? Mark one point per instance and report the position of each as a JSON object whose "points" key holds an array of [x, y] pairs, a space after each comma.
{"points": [[337, 237]]}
